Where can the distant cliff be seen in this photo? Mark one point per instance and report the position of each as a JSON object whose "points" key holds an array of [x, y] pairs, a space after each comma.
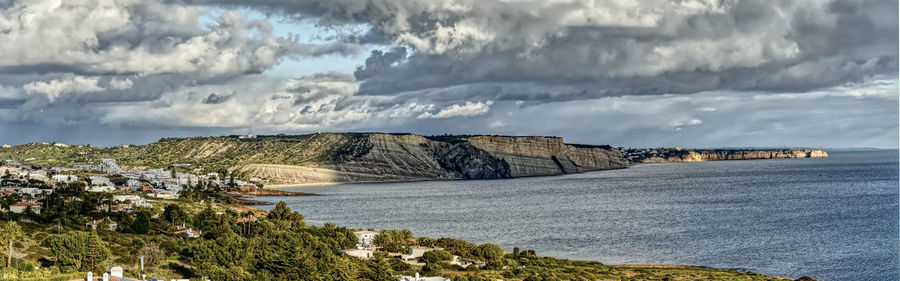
{"points": [[658, 155], [366, 157], [392, 157], [343, 157]]}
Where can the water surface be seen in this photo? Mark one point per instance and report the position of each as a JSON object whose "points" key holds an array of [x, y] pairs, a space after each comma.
{"points": [[830, 218]]}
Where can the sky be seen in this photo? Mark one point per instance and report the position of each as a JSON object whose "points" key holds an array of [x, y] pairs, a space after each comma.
{"points": [[689, 73]]}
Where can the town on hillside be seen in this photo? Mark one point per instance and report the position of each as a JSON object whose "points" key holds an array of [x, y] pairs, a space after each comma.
{"points": [[108, 199]]}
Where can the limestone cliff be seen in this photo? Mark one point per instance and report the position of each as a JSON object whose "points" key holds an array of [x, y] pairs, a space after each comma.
{"points": [[396, 157], [541, 156], [659, 155]]}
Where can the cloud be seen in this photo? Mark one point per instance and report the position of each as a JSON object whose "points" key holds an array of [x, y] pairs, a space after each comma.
{"points": [[733, 71], [464, 110], [145, 37], [69, 84], [587, 49], [214, 98], [122, 84], [380, 61]]}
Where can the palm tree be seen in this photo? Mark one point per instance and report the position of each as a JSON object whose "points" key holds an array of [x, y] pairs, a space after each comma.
{"points": [[9, 232]]}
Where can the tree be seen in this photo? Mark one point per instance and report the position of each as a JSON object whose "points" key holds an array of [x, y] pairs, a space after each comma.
{"points": [[96, 251], [437, 256], [152, 255], [457, 247], [141, 224], [379, 270], [9, 232], [431, 269], [78, 250], [488, 252], [213, 225], [393, 240], [174, 213], [283, 215]]}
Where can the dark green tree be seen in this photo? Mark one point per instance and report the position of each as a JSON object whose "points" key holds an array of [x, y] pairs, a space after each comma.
{"points": [[437, 256], [488, 252], [174, 214], [77, 250], [394, 240], [141, 223], [284, 217]]}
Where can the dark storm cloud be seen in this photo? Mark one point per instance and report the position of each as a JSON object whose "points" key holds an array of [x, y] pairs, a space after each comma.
{"points": [[611, 48], [380, 61], [214, 98]]}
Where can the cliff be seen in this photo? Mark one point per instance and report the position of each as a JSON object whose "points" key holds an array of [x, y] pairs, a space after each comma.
{"points": [[659, 155], [541, 156], [343, 157], [395, 157]]}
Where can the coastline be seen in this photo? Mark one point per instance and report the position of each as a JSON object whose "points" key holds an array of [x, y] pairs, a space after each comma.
{"points": [[731, 268], [659, 161]]}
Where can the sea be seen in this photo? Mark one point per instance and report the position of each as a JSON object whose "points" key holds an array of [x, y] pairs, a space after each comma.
{"points": [[832, 218]]}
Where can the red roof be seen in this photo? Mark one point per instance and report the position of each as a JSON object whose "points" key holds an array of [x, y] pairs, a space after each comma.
{"points": [[25, 204]]}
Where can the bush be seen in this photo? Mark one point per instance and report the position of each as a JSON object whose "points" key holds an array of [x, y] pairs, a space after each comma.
{"points": [[437, 256], [488, 252], [431, 269]]}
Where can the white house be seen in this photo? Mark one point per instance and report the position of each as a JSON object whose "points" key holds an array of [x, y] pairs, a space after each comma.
{"points": [[20, 207], [100, 181], [134, 199], [101, 188], [360, 253], [65, 178], [418, 278], [86, 167], [34, 191], [134, 185], [364, 238], [416, 253]]}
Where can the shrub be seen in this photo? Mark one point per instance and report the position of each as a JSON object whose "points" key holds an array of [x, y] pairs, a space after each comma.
{"points": [[437, 256], [488, 252]]}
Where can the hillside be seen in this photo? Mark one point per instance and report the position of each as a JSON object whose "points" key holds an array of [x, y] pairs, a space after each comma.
{"points": [[344, 157]]}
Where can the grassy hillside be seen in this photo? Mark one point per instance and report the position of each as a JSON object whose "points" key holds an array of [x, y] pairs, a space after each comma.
{"points": [[210, 152]]}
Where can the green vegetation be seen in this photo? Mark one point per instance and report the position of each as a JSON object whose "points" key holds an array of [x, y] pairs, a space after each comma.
{"points": [[239, 243], [212, 154]]}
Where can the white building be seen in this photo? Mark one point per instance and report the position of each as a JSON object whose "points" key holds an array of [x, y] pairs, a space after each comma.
{"points": [[100, 181], [65, 178], [34, 191], [134, 185], [418, 278], [364, 238], [109, 166], [360, 253], [20, 207], [86, 167], [101, 188]]}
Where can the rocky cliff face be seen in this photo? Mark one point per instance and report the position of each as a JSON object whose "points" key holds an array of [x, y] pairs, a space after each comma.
{"points": [[395, 157], [541, 156]]}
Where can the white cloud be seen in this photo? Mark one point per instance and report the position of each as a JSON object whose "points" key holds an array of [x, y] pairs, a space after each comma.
{"points": [[70, 84], [143, 37], [122, 84], [460, 110]]}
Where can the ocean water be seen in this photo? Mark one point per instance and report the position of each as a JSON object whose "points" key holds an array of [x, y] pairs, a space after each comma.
{"points": [[830, 218]]}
